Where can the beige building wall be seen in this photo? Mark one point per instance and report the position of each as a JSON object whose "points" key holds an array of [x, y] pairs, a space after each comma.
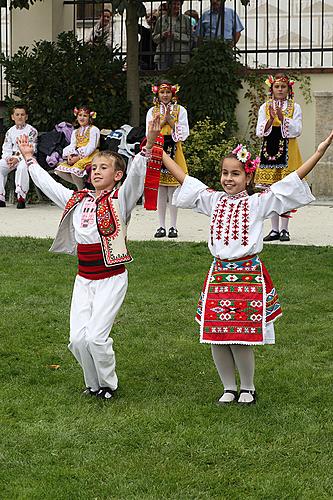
{"points": [[314, 113]]}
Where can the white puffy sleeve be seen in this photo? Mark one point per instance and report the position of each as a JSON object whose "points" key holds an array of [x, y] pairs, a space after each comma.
{"points": [[71, 148], [261, 123], [58, 193], [292, 127], [132, 188], [7, 147], [94, 136], [283, 196], [196, 195], [181, 130]]}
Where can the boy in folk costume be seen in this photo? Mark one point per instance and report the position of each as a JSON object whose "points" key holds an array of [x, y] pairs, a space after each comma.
{"points": [[11, 157], [279, 123], [175, 130], [239, 303], [94, 225], [79, 153]]}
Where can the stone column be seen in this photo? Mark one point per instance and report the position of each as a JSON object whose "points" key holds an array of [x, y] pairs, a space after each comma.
{"points": [[322, 177]]}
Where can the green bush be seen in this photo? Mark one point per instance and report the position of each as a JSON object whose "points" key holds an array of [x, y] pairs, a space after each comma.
{"points": [[204, 148], [209, 84], [54, 77]]}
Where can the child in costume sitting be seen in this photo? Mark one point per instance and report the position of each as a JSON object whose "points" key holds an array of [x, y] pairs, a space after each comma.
{"points": [[94, 226], [239, 303], [83, 146], [279, 123], [175, 130]]}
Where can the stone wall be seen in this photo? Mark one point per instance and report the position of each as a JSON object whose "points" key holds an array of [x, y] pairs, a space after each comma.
{"points": [[322, 177]]}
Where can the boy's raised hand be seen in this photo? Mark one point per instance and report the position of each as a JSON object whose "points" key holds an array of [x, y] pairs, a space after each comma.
{"points": [[26, 149], [154, 129], [325, 144]]}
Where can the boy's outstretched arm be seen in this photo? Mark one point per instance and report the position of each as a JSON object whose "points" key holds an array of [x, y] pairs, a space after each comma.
{"points": [[304, 169], [173, 168]]}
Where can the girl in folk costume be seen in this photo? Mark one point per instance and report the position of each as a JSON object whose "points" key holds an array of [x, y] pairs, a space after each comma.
{"points": [[175, 130], [239, 303], [83, 146], [94, 226], [279, 123]]}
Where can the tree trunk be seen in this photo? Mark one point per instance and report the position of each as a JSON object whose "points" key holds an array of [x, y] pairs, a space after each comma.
{"points": [[133, 89]]}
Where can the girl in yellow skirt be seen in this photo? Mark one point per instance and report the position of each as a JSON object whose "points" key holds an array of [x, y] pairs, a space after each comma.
{"points": [[279, 123], [83, 146], [175, 129]]}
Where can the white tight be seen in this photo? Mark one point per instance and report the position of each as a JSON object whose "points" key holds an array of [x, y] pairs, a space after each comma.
{"points": [[229, 357], [72, 178], [165, 194], [277, 220]]}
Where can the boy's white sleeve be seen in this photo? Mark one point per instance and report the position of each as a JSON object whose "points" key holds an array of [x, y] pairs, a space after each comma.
{"points": [[292, 127], [7, 147], [283, 196], [94, 136], [58, 193], [181, 130], [71, 148], [196, 195], [262, 121], [132, 188]]}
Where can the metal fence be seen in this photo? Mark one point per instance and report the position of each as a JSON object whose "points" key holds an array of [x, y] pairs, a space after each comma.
{"points": [[277, 33]]}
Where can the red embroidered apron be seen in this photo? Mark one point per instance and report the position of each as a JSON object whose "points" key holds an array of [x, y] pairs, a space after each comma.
{"points": [[237, 300]]}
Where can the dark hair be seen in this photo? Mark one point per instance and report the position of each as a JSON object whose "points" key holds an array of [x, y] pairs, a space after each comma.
{"points": [[250, 186], [20, 106], [88, 110], [119, 162]]}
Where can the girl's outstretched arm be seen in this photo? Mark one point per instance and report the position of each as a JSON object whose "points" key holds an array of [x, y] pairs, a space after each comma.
{"points": [[173, 168], [304, 169]]}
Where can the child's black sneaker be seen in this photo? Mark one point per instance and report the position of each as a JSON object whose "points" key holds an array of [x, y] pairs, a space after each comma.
{"points": [[20, 203], [89, 392], [173, 233], [2, 204], [105, 393]]}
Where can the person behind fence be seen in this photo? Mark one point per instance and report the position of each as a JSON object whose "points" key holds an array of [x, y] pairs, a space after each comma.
{"points": [[279, 123], [239, 302], [12, 160], [175, 130], [210, 23], [83, 146], [103, 31], [172, 35], [94, 226]]}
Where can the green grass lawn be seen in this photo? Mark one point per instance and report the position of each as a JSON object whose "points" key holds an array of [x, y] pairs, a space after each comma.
{"points": [[162, 437]]}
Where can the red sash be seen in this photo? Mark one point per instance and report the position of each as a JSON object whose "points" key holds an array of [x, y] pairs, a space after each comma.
{"points": [[91, 263]]}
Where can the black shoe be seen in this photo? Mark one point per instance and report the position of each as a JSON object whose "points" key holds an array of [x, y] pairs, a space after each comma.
{"points": [[160, 233], [284, 235], [173, 233], [272, 236], [89, 392], [228, 391], [253, 394], [105, 393], [20, 204], [2, 204]]}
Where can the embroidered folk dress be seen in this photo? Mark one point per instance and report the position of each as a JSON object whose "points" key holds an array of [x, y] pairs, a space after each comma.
{"points": [[280, 153], [239, 302], [173, 138], [84, 142]]}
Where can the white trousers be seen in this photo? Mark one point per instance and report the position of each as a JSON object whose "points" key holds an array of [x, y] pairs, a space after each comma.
{"points": [[95, 304], [21, 179], [165, 194]]}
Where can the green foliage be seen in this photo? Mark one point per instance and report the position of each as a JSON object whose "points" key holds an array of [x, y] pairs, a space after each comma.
{"points": [[210, 82], [257, 94], [204, 148], [53, 77]]}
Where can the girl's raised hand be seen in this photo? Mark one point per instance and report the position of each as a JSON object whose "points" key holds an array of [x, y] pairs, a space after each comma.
{"points": [[325, 144], [26, 149], [154, 129], [272, 112]]}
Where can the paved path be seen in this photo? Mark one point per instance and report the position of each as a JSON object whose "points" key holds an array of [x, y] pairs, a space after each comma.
{"points": [[312, 225]]}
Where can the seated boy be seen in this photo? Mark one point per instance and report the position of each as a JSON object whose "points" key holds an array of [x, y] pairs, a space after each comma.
{"points": [[94, 226], [11, 157]]}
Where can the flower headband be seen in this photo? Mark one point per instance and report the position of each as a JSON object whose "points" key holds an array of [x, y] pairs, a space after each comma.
{"points": [[244, 156], [271, 80], [174, 88], [92, 114]]}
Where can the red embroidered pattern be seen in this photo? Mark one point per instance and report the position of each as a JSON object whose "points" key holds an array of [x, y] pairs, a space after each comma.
{"points": [[107, 220], [76, 197], [228, 223], [245, 222], [218, 217]]}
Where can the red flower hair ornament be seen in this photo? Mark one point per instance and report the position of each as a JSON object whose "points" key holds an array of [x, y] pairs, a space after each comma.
{"points": [[244, 156]]}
